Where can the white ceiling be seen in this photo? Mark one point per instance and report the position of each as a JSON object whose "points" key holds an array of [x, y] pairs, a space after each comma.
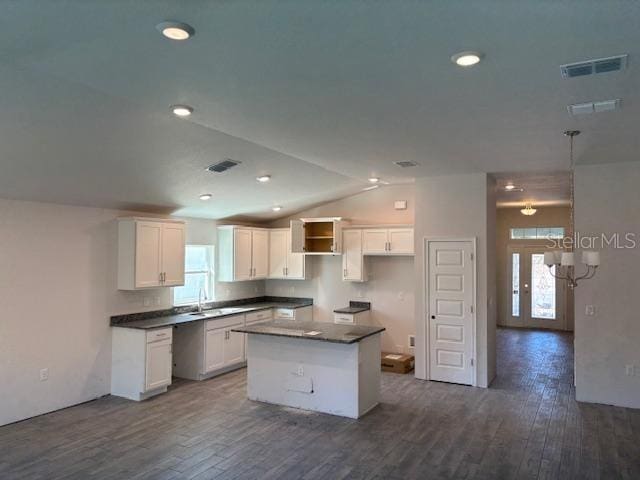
{"points": [[319, 94], [540, 189]]}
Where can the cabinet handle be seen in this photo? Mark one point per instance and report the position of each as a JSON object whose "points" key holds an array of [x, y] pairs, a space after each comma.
{"points": [[389, 246], [345, 272], [160, 275], [286, 269], [284, 272]]}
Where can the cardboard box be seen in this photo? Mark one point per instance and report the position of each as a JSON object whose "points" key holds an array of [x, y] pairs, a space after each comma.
{"points": [[397, 362]]}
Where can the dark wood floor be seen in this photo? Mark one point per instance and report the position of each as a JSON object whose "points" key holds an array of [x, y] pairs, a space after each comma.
{"points": [[527, 425]]}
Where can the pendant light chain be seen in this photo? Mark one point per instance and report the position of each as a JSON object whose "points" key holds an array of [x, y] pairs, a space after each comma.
{"points": [[572, 223]]}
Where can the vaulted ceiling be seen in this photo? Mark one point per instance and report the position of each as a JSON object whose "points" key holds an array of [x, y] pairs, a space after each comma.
{"points": [[321, 95]]}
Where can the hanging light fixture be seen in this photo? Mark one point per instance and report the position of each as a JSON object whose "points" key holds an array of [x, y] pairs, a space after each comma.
{"points": [[528, 210], [564, 262]]}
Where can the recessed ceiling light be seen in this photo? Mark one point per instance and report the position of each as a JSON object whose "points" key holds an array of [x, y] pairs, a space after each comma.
{"points": [[466, 59], [205, 196], [374, 180], [263, 178], [277, 208], [176, 30], [182, 110], [509, 186], [372, 187]]}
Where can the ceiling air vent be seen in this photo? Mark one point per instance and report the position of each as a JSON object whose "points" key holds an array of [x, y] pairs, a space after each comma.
{"points": [[594, 107], [592, 67], [406, 164], [223, 166]]}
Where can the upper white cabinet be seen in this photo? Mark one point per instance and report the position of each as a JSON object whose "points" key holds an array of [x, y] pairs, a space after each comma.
{"points": [[150, 253], [242, 253], [387, 241], [317, 236], [352, 260], [283, 263]]}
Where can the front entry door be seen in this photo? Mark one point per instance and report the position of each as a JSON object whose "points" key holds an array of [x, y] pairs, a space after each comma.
{"points": [[451, 311], [536, 297]]}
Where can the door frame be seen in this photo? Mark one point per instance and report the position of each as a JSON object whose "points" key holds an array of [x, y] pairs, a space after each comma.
{"points": [[427, 302], [561, 292]]}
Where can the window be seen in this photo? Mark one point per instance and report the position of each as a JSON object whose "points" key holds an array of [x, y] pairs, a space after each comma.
{"points": [[537, 233], [198, 274]]}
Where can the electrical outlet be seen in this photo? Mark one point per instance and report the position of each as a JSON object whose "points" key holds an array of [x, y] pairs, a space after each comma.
{"points": [[146, 301], [401, 296], [157, 300], [300, 371], [590, 310], [629, 371], [44, 374]]}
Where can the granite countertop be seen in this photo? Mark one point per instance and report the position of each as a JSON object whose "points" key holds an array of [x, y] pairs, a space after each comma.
{"points": [[354, 307], [211, 314], [322, 331]]}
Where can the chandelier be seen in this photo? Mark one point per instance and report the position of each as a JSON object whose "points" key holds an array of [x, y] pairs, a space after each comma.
{"points": [[528, 210], [564, 262]]}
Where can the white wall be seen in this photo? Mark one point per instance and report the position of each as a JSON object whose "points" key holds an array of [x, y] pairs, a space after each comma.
{"points": [[461, 206], [390, 288], [607, 200], [57, 292]]}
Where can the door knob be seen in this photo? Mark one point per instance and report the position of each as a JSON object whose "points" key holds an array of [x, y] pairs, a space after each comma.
{"points": [[433, 317]]}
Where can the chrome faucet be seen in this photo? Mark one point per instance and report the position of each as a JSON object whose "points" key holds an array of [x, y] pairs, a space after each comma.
{"points": [[201, 295]]}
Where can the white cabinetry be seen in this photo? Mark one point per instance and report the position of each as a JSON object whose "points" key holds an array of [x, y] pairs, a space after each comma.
{"points": [[352, 261], [301, 314], [150, 253], [207, 348], [242, 253], [387, 241], [283, 263], [317, 236], [140, 362]]}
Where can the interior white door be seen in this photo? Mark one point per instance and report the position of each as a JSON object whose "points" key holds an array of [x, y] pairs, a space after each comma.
{"points": [[233, 347], [158, 365], [242, 268], [537, 298], [451, 311], [278, 246], [352, 261], [260, 253], [214, 349], [173, 251], [374, 241], [148, 254], [295, 261], [401, 241]]}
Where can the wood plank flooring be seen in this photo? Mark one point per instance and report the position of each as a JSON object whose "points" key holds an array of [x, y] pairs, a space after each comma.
{"points": [[527, 425]]}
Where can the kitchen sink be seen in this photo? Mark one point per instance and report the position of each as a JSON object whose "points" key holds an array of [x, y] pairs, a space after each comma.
{"points": [[218, 311]]}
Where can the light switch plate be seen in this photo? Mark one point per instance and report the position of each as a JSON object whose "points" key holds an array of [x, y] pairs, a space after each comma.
{"points": [[400, 205], [590, 310]]}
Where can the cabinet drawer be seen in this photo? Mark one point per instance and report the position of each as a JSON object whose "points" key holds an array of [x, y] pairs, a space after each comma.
{"points": [[158, 335], [259, 315], [225, 322], [284, 313], [344, 319]]}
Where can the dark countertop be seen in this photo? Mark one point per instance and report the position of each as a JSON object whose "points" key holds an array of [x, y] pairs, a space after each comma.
{"points": [[329, 332], [212, 314], [354, 307]]}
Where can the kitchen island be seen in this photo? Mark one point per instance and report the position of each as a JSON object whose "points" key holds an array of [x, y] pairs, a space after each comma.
{"points": [[316, 366]]}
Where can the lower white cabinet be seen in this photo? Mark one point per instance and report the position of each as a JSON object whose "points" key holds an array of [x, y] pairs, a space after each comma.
{"points": [[301, 314], [141, 364], [205, 349]]}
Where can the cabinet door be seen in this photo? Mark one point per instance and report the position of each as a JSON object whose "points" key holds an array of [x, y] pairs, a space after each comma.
{"points": [[260, 253], [374, 241], [148, 254], [352, 261], [173, 248], [401, 241], [242, 269], [297, 236], [278, 247], [295, 261], [158, 365], [233, 347], [214, 350]]}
